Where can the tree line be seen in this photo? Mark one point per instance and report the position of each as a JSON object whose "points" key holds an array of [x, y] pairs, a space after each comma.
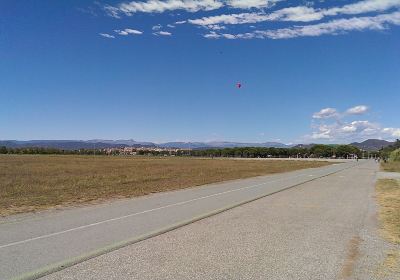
{"points": [[48, 151], [316, 151]]}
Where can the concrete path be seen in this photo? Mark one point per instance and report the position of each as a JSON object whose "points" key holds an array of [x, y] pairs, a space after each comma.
{"points": [[35, 245], [316, 230]]}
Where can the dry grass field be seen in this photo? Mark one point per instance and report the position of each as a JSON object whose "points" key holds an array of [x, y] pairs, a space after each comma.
{"points": [[391, 166], [388, 195], [35, 182]]}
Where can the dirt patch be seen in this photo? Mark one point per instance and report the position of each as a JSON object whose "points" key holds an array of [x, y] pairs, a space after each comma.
{"points": [[352, 256]]}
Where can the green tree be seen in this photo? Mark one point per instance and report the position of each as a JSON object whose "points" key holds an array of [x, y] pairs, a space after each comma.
{"points": [[3, 150]]}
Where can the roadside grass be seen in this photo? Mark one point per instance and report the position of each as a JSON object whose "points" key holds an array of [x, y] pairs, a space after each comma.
{"points": [[388, 195], [391, 166], [36, 182]]}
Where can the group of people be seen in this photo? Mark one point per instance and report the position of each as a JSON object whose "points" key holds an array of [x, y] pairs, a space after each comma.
{"points": [[378, 159]]}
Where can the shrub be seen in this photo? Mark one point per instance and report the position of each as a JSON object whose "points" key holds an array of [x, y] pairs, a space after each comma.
{"points": [[395, 155]]}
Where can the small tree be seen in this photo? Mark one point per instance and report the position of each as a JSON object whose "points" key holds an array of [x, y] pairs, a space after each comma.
{"points": [[3, 150]]}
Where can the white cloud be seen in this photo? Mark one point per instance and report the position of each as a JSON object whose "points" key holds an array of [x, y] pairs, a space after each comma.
{"points": [[303, 13], [105, 35], [357, 110], [359, 126], [230, 19], [326, 113], [394, 132], [163, 33], [248, 4], [365, 6], [333, 126], [157, 6], [212, 35], [323, 132], [128, 31], [344, 131], [299, 13], [333, 27], [215, 27]]}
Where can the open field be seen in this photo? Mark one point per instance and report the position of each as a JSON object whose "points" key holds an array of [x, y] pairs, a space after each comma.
{"points": [[388, 195], [391, 166], [35, 182]]}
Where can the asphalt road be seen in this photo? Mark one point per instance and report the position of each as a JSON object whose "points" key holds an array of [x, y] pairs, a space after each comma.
{"points": [[36, 244], [323, 229]]}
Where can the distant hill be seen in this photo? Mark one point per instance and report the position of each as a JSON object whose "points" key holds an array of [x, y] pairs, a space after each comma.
{"points": [[304, 146], [372, 144], [102, 144], [368, 145], [64, 144]]}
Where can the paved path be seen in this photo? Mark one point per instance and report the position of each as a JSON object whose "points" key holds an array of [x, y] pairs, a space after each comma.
{"points": [[33, 245], [316, 230]]}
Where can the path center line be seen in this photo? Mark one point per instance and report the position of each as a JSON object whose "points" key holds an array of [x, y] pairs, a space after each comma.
{"points": [[142, 212]]}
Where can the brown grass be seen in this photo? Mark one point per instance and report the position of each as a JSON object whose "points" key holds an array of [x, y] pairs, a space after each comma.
{"points": [[35, 182], [390, 265], [388, 195], [391, 166]]}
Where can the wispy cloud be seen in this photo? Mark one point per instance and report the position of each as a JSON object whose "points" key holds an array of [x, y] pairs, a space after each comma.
{"points": [[326, 113], [156, 27], [157, 6], [105, 35], [230, 19], [215, 27], [128, 31], [163, 33], [357, 110], [248, 4], [334, 27], [299, 13], [254, 11]]}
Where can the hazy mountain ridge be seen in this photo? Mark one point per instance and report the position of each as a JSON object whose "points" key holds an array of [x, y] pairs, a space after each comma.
{"points": [[369, 145], [64, 144]]}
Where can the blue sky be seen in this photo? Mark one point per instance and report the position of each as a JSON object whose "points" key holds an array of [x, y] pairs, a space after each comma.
{"points": [[311, 71]]}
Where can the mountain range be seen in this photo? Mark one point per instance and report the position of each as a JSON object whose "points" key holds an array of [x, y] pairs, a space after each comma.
{"points": [[372, 144], [101, 144], [368, 145]]}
